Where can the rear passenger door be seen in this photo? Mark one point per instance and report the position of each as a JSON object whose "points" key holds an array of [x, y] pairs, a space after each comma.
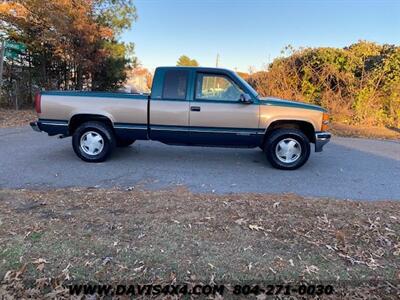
{"points": [[169, 109]]}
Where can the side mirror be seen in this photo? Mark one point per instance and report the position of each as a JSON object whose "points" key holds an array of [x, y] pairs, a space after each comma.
{"points": [[245, 99]]}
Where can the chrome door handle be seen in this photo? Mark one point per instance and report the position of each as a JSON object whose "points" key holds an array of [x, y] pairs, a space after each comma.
{"points": [[195, 108]]}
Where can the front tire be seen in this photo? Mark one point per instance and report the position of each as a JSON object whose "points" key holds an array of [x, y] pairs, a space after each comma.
{"points": [[287, 149], [93, 141]]}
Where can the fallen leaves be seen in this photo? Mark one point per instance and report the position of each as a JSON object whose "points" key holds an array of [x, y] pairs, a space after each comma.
{"points": [[256, 227], [250, 265], [44, 287], [312, 269], [138, 269], [40, 267], [13, 118], [240, 221], [330, 247], [107, 260], [15, 275], [40, 262], [396, 251], [341, 238], [41, 283], [65, 272], [141, 235]]}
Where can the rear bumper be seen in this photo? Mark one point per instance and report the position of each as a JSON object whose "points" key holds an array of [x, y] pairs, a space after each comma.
{"points": [[35, 126], [321, 139], [52, 127]]}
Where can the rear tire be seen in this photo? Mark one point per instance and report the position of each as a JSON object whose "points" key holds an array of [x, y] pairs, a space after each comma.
{"points": [[287, 149], [93, 141], [124, 143]]}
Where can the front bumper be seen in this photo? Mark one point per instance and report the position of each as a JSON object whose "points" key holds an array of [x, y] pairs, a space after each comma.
{"points": [[321, 139]]}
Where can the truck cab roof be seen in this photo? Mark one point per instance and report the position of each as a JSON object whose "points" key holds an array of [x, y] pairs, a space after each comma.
{"points": [[201, 69], [233, 75]]}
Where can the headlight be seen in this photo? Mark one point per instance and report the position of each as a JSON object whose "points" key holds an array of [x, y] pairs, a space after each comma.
{"points": [[325, 122]]}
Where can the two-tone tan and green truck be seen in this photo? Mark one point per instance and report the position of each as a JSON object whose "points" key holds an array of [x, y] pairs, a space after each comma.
{"points": [[187, 106]]}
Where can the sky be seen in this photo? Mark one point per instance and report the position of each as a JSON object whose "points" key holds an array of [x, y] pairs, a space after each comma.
{"points": [[251, 33]]}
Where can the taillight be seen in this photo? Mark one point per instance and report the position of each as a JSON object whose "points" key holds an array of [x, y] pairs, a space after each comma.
{"points": [[38, 104]]}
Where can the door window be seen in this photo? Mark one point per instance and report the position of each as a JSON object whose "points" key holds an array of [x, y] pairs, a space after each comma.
{"points": [[216, 87], [175, 85]]}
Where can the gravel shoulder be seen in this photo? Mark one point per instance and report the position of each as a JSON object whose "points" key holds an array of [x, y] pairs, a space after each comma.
{"points": [[13, 118], [371, 132]]}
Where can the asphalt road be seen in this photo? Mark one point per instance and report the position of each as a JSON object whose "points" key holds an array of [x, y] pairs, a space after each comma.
{"points": [[348, 168]]}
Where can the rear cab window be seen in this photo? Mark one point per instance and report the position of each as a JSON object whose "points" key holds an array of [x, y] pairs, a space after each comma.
{"points": [[175, 85]]}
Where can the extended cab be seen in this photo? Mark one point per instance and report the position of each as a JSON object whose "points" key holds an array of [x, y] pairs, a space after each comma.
{"points": [[187, 106]]}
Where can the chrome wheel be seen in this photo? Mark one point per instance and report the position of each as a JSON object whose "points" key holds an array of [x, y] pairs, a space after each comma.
{"points": [[92, 143], [288, 150]]}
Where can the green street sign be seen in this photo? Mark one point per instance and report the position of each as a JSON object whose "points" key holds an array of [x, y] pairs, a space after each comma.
{"points": [[10, 54], [15, 46]]}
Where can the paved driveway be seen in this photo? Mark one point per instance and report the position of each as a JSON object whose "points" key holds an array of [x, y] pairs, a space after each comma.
{"points": [[348, 168]]}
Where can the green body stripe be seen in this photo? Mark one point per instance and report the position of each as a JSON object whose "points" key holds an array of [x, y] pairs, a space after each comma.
{"points": [[96, 95], [293, 104]]}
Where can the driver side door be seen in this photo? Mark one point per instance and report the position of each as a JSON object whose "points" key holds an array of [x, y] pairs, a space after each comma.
{"points": [[216, 115]]}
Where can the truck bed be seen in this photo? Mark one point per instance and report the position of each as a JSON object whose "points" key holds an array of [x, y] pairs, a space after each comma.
{"points": [[118, 107]]}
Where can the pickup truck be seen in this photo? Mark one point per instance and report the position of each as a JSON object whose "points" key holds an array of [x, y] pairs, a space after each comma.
{"points": [[187, 106]]}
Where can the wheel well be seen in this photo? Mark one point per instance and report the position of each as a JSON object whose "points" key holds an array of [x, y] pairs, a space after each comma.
{"points": [[77, 120], [306, 127]]}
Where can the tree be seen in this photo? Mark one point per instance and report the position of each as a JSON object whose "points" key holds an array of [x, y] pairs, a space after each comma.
{"points": [[70, 42], [186, 61], [244, 75], [139, 80]]}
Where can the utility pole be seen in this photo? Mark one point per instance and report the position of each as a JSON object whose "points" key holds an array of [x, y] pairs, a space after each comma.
{"points": [[2, 52], [16, 94], [217, 61]]}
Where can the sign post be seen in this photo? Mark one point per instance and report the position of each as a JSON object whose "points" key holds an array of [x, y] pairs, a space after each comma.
{"points": [[3, 50], [16, 95], [11, 50]]}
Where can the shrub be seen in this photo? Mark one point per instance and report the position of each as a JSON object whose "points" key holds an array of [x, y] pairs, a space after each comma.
{"points": [[359, 84]]}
